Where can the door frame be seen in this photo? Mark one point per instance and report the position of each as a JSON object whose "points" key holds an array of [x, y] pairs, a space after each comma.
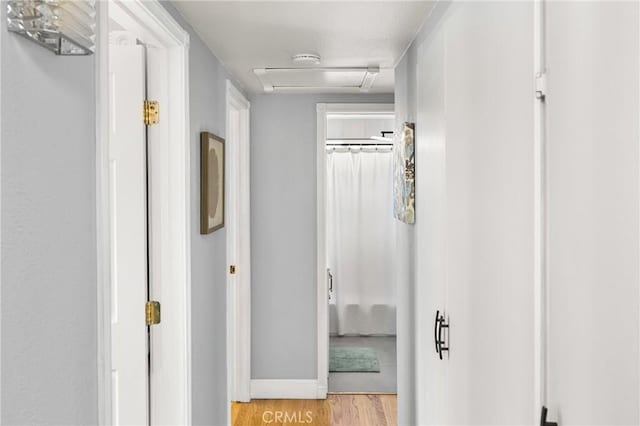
{"points": [[540, 229], [152, 22], [238, 220], [323, 110]]}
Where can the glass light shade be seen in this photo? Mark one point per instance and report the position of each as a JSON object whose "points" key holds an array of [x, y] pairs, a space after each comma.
{"points": [[66, 27]]}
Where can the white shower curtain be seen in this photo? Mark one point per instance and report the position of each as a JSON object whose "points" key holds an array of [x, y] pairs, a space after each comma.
{"points": [[360, 240]]}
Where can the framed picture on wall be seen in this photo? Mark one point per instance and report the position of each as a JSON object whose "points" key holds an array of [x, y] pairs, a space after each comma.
{"points": [[211, 182]]}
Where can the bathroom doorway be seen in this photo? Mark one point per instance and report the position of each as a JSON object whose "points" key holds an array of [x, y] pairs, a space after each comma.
{"points": [[359, 241]]}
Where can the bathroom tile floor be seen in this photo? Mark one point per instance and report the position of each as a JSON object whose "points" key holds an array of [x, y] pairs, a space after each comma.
{"points": [[383, 382]]}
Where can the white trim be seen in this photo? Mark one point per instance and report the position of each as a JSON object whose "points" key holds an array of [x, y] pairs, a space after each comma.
{"points": [[235, 97], [261, 74], [323, 111], [156, 26], [370, 74], [362, 109], [1, 36], [238, 250], [102, 218], [639, 181], [284, 389], [322, 314], [317, 90], [154, 18], [539, 220]]}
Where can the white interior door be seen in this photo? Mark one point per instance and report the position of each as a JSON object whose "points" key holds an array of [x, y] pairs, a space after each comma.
{"points": [[475, 223], [489, 175], [430, 227], [593, 216], [127, 160]]}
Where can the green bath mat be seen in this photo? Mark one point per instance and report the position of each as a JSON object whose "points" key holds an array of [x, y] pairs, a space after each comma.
{"points": [[351, 359]]}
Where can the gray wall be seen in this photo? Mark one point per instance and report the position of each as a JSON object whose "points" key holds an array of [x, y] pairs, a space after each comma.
{"points": [[207, 79], [283, 233], [48, 308]]}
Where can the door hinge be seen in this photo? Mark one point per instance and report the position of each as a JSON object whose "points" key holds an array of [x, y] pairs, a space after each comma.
{"points": [[541, 86], [232, 269], [150, 112], [152, 312]]}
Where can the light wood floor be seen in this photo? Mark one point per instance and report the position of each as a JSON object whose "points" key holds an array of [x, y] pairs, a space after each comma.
{"points": [[336, 410]]}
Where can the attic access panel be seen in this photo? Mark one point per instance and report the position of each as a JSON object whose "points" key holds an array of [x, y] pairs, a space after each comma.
{"points": [[304, 79]]}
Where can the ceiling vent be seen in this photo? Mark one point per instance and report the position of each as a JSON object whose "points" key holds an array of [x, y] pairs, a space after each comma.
{"points": [[306, 59], [317, 79]]}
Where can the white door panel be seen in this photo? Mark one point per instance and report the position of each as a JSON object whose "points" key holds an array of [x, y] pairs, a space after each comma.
{"points": [[430, 230], [592, 129], [127, 157], [489, 175], [476, 212], [164, 358], [474, 224]]}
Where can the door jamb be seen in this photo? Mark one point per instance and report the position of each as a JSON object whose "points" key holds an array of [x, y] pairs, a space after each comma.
{"points": [[540, 230], [157, 23], [238, 250], [323, 110]]}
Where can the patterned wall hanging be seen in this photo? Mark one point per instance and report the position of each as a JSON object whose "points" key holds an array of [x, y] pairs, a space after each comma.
{"points": [[404, 167]]}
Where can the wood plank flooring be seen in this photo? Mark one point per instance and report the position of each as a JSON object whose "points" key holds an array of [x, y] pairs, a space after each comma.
{"points": [[336, 410]]}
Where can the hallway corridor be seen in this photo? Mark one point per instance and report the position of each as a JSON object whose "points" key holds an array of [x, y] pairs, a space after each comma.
{"points": [[319, 212]]}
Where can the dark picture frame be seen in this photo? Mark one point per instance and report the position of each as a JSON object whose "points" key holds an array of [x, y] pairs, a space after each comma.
{"points": [[212, 182]]}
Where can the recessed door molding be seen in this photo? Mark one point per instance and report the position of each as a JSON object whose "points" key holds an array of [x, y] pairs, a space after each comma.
{"points": [[152, 24], [238, 222], [323, 110]]}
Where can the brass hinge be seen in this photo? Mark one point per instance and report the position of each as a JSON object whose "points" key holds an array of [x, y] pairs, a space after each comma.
{"points": [[152, 312], [150, 112], [232, 269]]}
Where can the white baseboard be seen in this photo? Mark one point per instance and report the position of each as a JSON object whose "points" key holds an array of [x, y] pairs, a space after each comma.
{"points": [[321, 391], [286, 389]]}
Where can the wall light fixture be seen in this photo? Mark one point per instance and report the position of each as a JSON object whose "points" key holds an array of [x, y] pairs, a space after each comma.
{"points": [[66, 27]]}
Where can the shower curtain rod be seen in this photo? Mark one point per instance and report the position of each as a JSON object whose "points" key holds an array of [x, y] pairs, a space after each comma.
{"points": [[360, 144]]}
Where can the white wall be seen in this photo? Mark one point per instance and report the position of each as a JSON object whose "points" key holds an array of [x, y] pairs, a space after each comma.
{"points": [[358, 127], [283, 233], [593, 212], [49, 364]]}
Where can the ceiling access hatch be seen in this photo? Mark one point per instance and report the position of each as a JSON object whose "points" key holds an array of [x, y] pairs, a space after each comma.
{"points": [[324, 79]]}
